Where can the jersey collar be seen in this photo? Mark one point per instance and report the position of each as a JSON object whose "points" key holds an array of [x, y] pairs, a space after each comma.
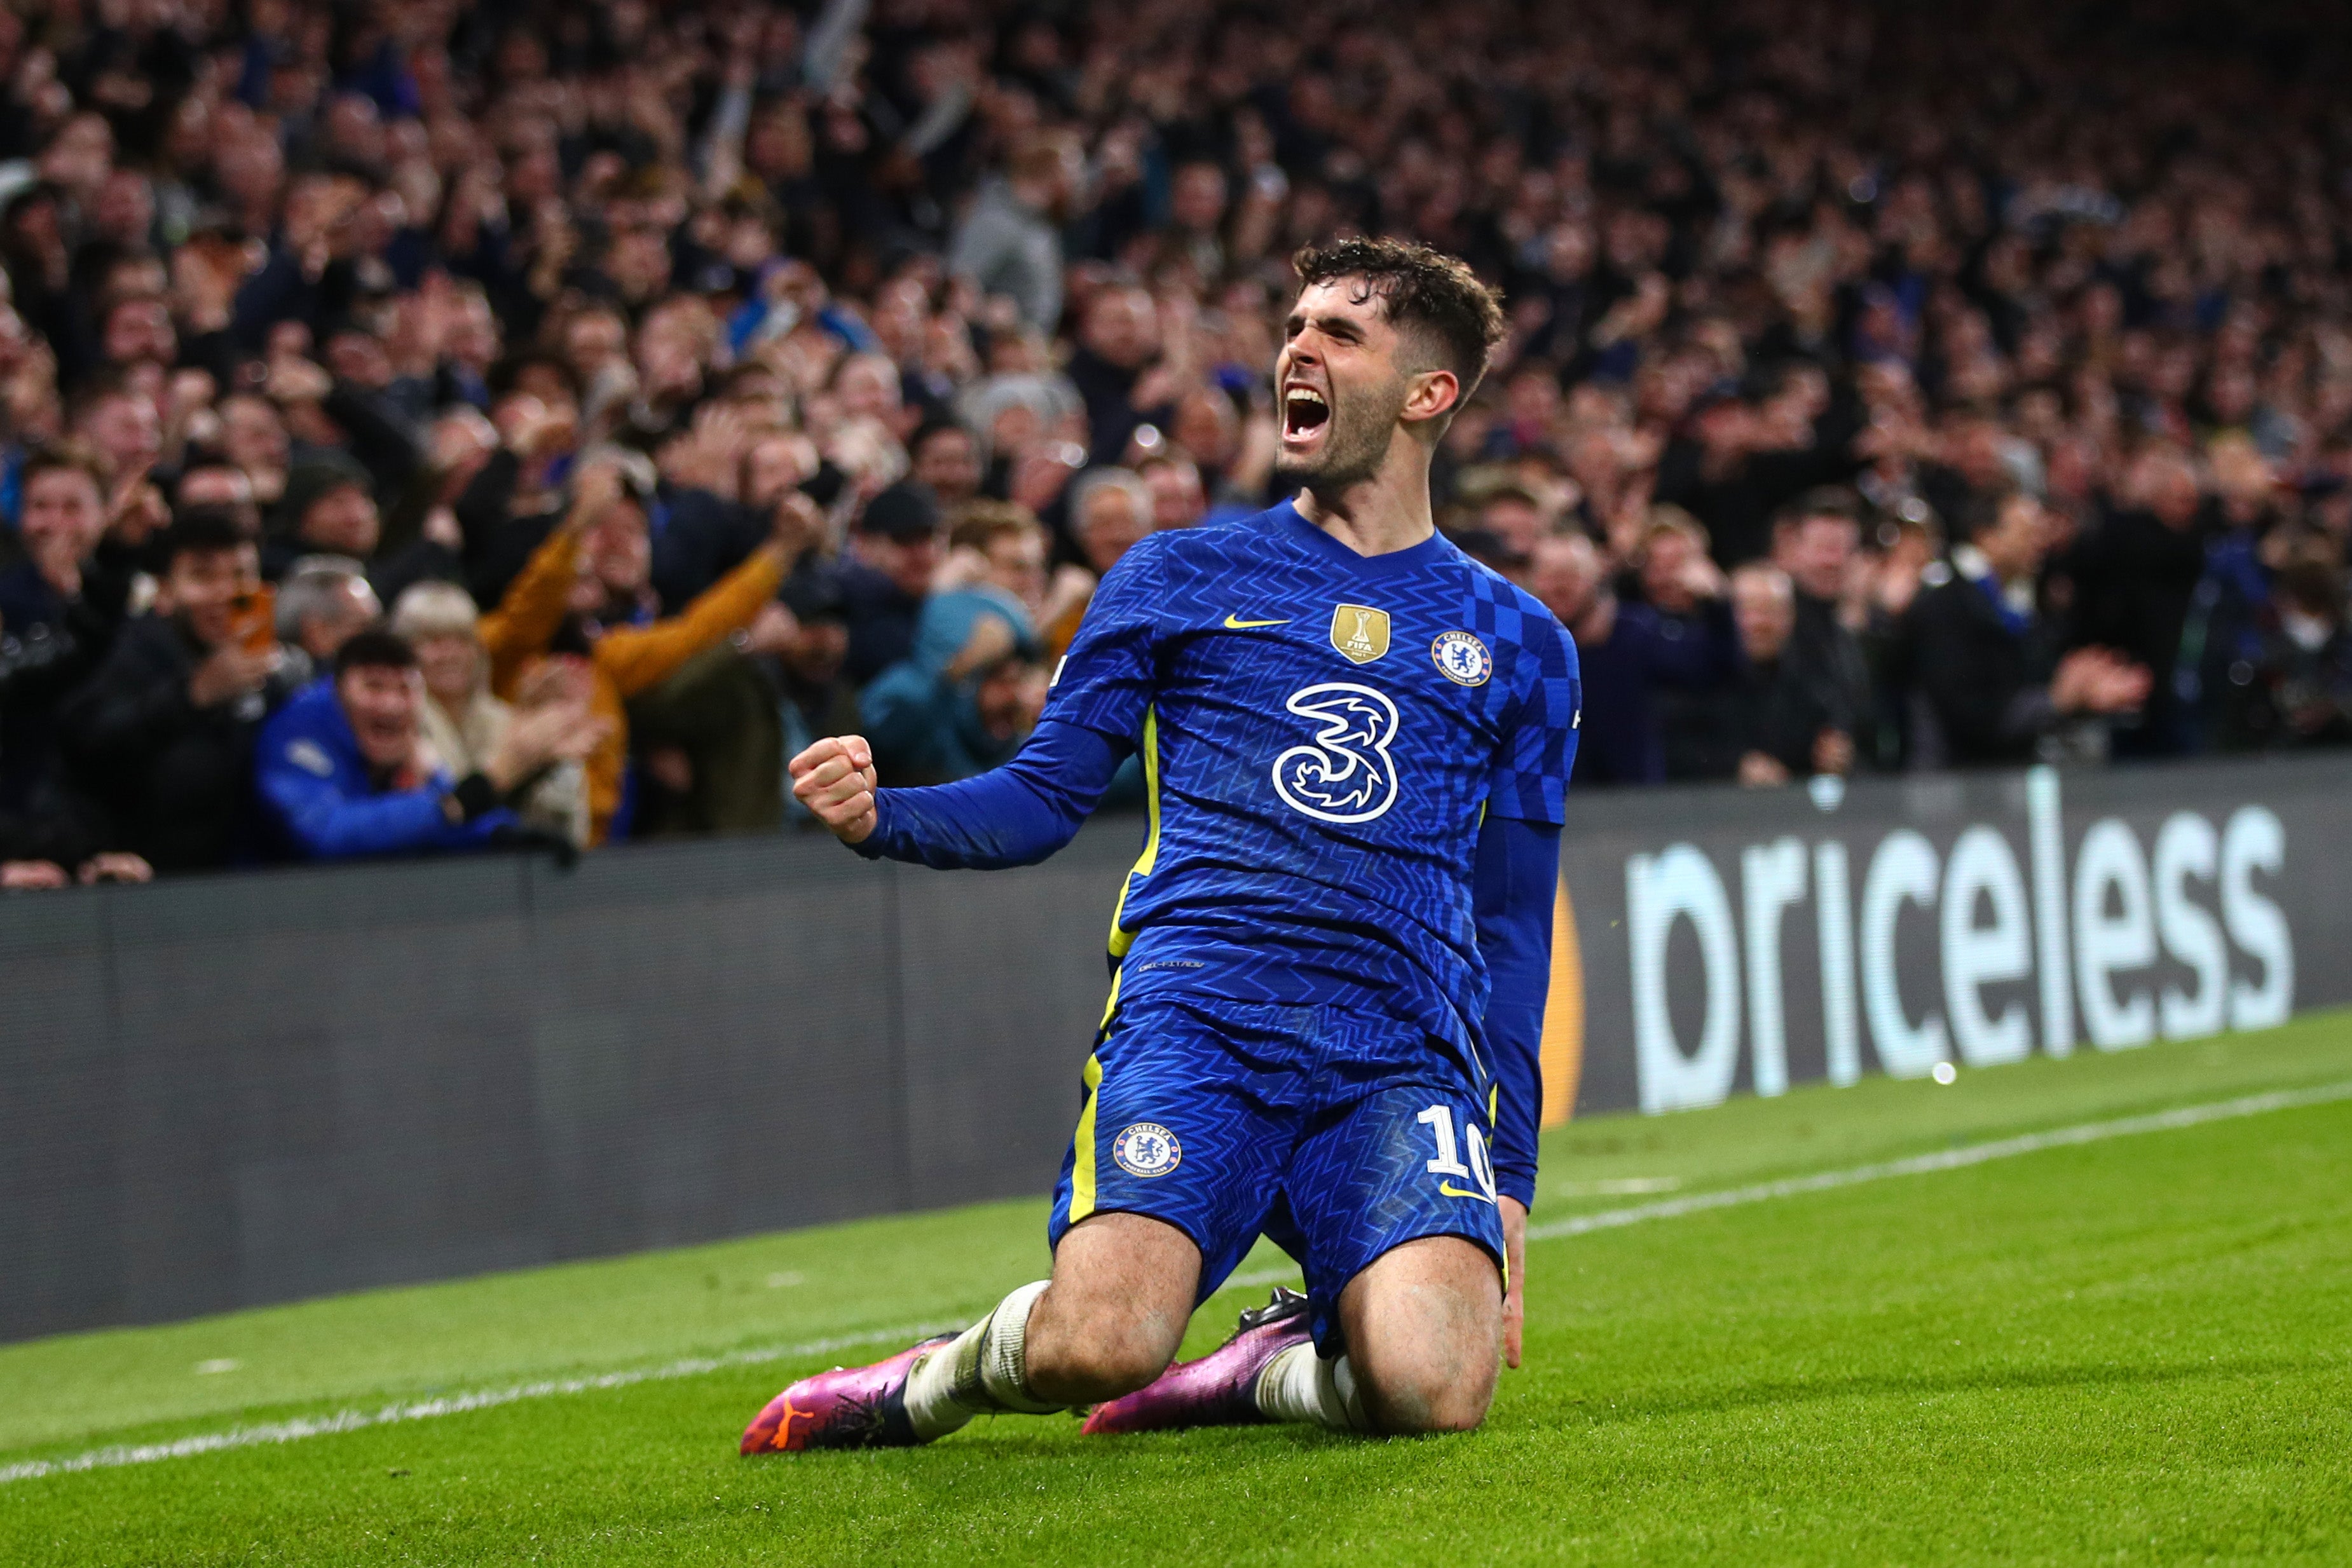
{"points": [[1436, 547]]}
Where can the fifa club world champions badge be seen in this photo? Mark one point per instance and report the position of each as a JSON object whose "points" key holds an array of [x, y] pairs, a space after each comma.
{"points": [[1360, 632]]}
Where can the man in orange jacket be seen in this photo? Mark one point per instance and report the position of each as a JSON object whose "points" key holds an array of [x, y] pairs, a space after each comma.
{"points": [[630, 647]]}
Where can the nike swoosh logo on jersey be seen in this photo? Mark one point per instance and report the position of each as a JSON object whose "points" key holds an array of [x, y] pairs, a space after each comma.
{"points": [[1235, 625], [1450, 1190]]}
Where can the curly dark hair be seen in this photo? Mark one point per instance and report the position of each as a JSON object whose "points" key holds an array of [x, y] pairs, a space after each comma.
{"points": [[1424, 292], [377, 647]]}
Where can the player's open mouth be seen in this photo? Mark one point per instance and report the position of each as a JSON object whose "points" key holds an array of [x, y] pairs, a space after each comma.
{"points": [[1304, 413]]}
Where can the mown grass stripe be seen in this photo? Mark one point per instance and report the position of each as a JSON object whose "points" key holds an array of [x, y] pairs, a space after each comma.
{"points": [[304, 1426], [351, 1420], [1944, 1159]]}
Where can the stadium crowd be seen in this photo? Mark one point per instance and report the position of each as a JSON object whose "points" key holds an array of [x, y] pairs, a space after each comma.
{"points": [[436, 426]]}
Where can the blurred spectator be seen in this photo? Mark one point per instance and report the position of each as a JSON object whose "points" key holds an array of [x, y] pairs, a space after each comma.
{"points": [[1110, 509], [897, 261], [57, 849], [119, 421], [1993, 683], [1009, 242], [1118, 342], [713, 500], [1505, 522], [1177, 500], [1733, 465], [895, 551], [817, 698], [2264, 653], [344, 772], [1000, 547], [1817, 545], [943, 456], [1910, 552], [588, 590], [161, 737], [1628, 657], [324, 600], [464, 722], [1770, 724], [2136, 571], [1668, 572], [220, 486], [966, 695], [1664, 575], [329, 508], [60, 608], [253, 440], [2306, 663], [507, 509]]}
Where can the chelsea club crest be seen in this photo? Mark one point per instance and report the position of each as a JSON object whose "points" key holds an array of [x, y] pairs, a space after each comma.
{"points": [[1461, 659], [1146, 1149]]}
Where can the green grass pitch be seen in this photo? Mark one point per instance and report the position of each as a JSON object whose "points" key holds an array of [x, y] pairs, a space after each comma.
{"points": [[2136, 1350]]}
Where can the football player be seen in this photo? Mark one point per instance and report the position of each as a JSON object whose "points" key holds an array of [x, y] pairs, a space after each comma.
{"points": [[1331, 960]]}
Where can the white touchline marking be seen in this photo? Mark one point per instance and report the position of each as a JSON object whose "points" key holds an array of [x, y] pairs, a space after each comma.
{"points": [[1916, 1165], [303, 1426], [1618, 1186], [1946, 1159], [1607, 1220]]}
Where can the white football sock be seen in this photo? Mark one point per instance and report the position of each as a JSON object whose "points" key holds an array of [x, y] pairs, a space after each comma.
{"points": [[984, 1370], [931, 1390], [1299, 1386]]}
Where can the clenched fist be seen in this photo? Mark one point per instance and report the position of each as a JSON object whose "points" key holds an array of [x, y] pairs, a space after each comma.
{"points": [[834, 779]]}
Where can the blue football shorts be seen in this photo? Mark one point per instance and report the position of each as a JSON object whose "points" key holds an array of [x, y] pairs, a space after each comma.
{"points": [[1337, 1134]]}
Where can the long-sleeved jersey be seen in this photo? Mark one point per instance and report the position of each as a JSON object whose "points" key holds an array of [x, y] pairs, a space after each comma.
{"points": [[1326, 737]]}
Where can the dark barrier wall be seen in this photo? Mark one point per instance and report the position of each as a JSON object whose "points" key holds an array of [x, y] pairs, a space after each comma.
{"points": [[229, 1092], [242, 1090]]}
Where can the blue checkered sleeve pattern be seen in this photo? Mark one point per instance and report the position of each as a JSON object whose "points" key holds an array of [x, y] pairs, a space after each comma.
{"points": [[1531, 781], [1106, 680]]}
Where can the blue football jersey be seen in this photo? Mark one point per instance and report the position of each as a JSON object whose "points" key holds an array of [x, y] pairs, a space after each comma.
{"points": [[1321, 734]]}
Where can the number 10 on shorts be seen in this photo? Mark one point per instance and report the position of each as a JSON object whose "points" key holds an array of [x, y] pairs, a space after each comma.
{"points": [[1439, 1119]]}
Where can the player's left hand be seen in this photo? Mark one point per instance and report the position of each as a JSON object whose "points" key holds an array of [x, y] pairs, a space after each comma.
{"points": [[1515, 1300]]}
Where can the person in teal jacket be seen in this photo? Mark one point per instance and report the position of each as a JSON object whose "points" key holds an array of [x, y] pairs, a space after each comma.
{"points": [[967, 697]]}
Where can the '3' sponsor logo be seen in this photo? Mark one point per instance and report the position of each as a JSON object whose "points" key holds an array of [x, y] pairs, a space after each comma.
{"points": [[1345, 773]]}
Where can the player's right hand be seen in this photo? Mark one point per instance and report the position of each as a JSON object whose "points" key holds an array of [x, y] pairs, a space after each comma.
{"points": [[834, 779]]}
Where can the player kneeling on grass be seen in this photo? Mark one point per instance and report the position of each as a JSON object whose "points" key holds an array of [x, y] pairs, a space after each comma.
{"points": [[1331, 957]]}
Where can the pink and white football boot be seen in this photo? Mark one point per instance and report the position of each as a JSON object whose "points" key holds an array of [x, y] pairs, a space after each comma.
{"points": [[848, 1407], [1221, 1388]]}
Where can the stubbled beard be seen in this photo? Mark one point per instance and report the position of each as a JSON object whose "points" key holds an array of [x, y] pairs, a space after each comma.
{"points": [[1352, 452]]}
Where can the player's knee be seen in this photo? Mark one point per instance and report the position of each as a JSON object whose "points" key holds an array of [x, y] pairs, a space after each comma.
{"points": [[1088, 1345], [1411, 1401], [1438, 1379], [1101, 1362]]}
